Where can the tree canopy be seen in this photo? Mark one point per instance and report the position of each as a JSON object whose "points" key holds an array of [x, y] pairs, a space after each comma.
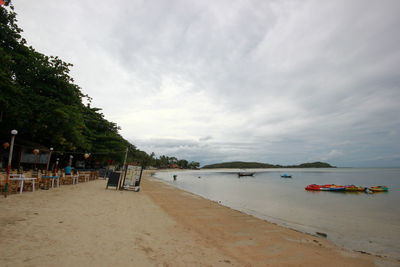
{"points": [[39, 98]]}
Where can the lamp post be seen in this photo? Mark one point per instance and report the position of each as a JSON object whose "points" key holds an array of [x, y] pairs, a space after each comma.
{"points": [[56, 168], [70, 160], [48, 161], [13, 134]]}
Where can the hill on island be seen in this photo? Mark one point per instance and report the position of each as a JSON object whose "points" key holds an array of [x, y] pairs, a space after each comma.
{"points": [[258, 165]]}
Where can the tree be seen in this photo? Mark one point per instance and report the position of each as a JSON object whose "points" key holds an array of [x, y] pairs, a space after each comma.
{"points": [[193, 165], [183, 163], [39, 99]]}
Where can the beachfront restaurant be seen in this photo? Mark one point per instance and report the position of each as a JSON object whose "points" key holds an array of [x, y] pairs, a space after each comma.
{"points": [[34, 167]]}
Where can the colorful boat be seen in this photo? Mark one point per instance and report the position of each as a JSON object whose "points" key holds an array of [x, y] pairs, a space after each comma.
{"points": [[313, 187], [326, 187], [379, 188], [347, 188], [354, 188], [333, 188], [286, 176]]}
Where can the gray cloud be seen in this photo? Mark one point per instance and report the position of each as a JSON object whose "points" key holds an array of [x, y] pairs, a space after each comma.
{"points": [[273, 81]]}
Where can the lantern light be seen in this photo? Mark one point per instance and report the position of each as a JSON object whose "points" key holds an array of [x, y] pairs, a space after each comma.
{"points": [[36, 151], [86, 155], [6, 145]]}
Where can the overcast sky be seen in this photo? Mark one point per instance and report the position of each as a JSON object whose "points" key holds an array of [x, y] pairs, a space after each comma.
{"points": [[282, 82]]}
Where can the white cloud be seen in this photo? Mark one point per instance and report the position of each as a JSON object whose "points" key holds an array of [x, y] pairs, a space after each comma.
{"points": [[273, 81]]}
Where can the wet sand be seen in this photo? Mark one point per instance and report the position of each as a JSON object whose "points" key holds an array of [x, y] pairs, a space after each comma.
{"points": [[85, 224]]}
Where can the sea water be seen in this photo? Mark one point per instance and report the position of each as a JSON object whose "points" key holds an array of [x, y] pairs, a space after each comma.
{"points": [[354, 220]]}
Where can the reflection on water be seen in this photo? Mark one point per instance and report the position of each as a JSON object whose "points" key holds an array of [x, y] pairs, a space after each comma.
{"points": [[356, 220]]}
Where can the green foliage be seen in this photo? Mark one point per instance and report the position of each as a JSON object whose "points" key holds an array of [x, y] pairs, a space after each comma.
{"points": [[39, 98], [41, 101], [257, 165], [315, 165]]}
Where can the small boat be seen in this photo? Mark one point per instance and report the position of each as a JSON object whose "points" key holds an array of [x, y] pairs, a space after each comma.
{"points": [[379, 188], [313, 187], [246, 173], [326, 187], [286, 176], [333, 188], [354, 188]]}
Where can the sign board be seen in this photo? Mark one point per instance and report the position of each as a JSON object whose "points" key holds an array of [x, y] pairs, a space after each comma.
{"points": [[42, 158], [132, 178], [113, 179]]}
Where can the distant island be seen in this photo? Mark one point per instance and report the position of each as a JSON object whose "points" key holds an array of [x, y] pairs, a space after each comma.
{"points": [[258, 165]]}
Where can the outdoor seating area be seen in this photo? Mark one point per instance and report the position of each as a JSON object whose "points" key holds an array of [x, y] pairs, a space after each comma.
{"points": [[31, 181]]}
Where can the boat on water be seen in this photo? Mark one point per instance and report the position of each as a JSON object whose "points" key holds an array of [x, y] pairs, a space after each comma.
{"points": [[379, 188], [286, 176], [354, 188], [246, 173], [333, 188], [313, 187], [346, 188]]}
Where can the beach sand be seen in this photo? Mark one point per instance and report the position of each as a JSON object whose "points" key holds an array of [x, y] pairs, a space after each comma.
{"points": [[86, 225]]}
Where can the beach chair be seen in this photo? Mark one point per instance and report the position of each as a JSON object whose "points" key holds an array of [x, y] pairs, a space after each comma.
{"points": [[44, 183], [82, 177], [13, 186], [67, 179]]}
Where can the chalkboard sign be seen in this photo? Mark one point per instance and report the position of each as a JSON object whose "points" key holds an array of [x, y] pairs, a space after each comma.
{"points": [[113, 179]]}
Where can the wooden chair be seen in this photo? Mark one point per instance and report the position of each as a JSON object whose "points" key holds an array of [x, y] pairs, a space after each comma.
{"points": [[45, 183], [66, 179], [13, 186], [28, 184], [81, 177]]}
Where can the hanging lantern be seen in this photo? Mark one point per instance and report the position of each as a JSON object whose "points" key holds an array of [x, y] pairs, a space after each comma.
{"points": [[36, 151], [6, 145], [86, 155]]}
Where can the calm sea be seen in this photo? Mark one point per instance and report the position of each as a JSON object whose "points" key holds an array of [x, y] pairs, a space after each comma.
{"points": [[357, 221]]}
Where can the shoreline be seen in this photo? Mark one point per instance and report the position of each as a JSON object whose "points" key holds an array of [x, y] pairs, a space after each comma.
{"points": [[84, 224], [362, 242], [304, 237]]}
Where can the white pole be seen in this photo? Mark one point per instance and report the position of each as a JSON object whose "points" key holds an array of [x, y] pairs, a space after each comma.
{"points": [[48, 161], [13, 134], [123, 170]]}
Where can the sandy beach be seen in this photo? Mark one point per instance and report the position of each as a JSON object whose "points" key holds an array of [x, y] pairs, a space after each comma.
{"points": [[86, 225]]}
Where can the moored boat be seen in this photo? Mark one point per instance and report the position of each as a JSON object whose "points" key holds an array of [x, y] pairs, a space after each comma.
{"points": [[333, 188], [347, 188], [246, 173], [354, 188], [326, 187], [379, 188], [286, 176], [313, 187]]}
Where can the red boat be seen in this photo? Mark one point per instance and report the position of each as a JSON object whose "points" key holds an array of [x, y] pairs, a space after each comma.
{"points": [[326, 187], [314, 187]]}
